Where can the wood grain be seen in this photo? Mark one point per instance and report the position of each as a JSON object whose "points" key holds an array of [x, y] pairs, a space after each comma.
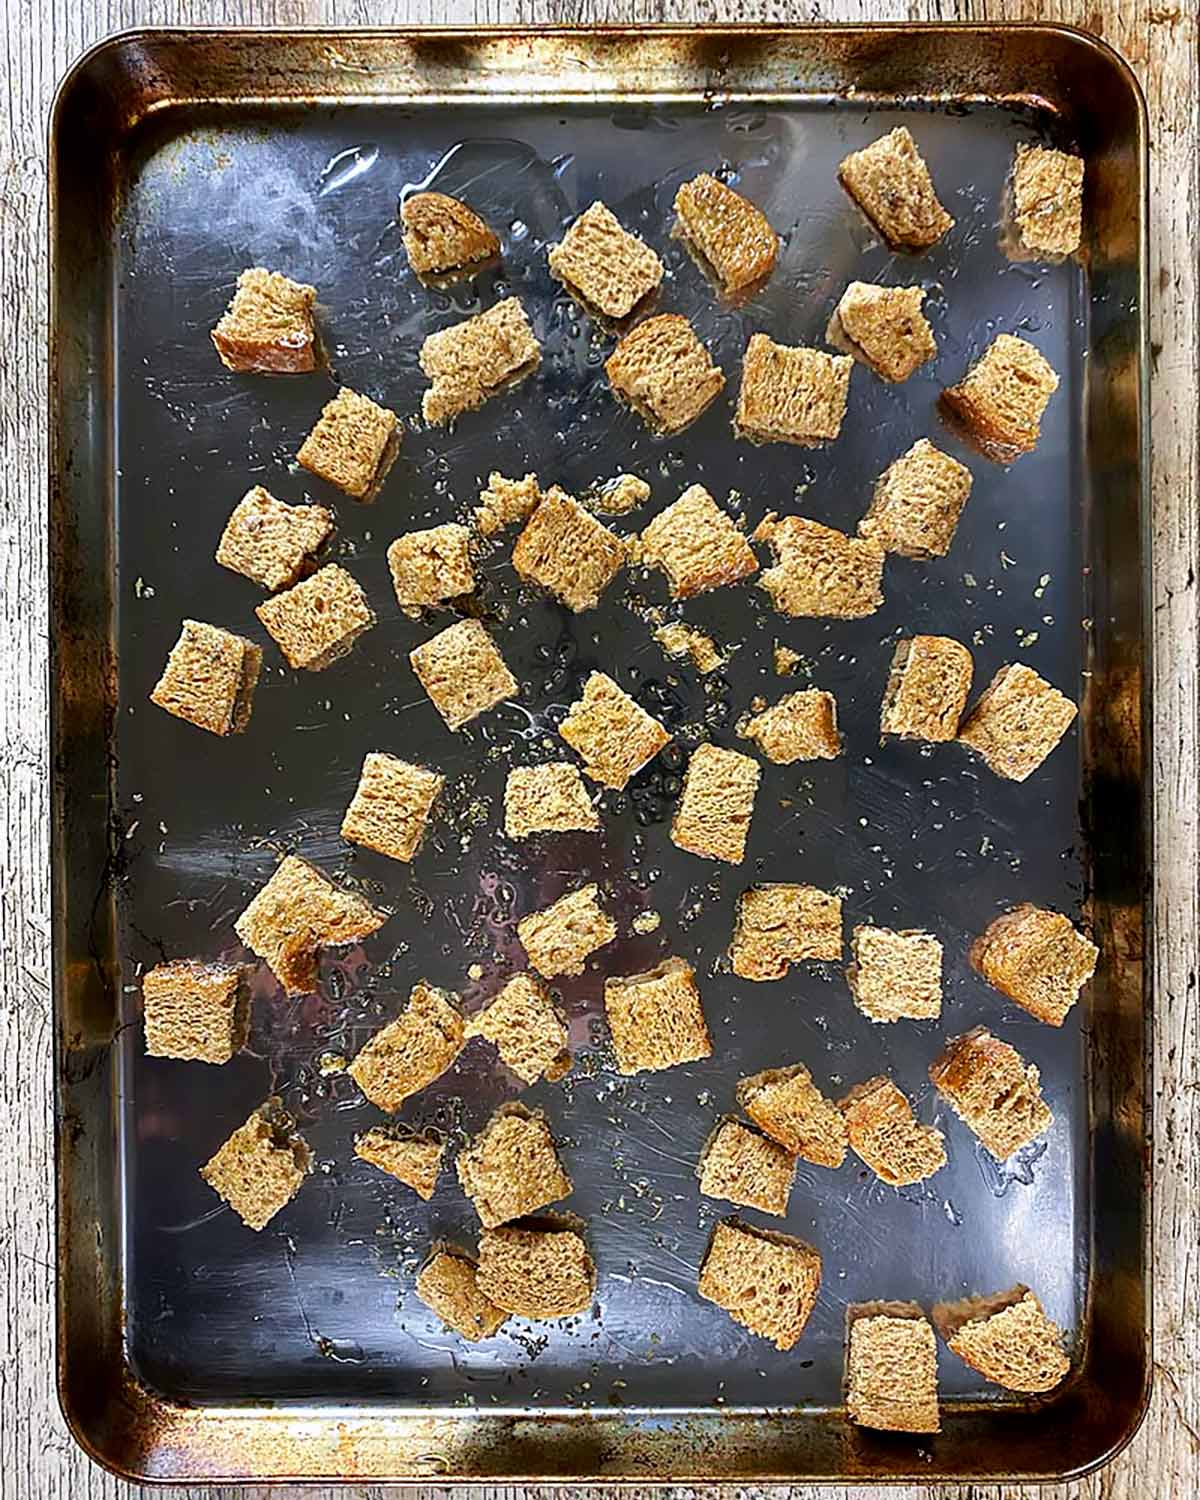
{"points": [[37, 1457]]}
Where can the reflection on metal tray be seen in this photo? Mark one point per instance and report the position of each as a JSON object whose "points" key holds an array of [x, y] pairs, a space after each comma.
{"points": [[192, 1348]]}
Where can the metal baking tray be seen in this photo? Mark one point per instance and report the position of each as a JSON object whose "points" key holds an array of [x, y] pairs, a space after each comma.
{"points": [[191, 1349]]}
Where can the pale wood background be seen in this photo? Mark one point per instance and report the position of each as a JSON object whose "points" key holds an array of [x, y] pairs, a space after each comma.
{"points": [[38, 1460]]}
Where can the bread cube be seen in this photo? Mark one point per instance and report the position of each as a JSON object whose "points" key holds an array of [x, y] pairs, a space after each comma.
{"points": [[891, 1368], [431, 567], [615, 736], [511, 1168], [268, 327], [746, 1168], [680, 640], [272, 543], [391, 806], [891, 184], [785, 661], [717, 804], [665, 373], [883, 328], [448, 1285], [527, 1029], [545, 1272], [463, 672], [505, 502], [998, 404], [260, 1167], [729, 237], [820, 572], [1007, 1337], [766, 1281], [791, 394], [559, 939], [887, 1136], [656, 1018], [409, 1053], [564, 548], [413, 1160], [917, 503], [1016, 722], [209, 678], [779, 925], [801, 726], [1037, 959], [618, 496], [788, 1105], [547, 799], [316, 622], [442, 234], [896, 976], [697, 545], [196, 1011], [353, 445], [605, 267], [992, 1090], [1047, 202], [927, 688], [470, 362]]}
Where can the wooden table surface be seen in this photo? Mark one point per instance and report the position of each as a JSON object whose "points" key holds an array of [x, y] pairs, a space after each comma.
{"points": [[37, 1457]]}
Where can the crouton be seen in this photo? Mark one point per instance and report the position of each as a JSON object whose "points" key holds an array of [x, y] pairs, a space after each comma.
{"points": [[260, 1167], [656, 1018], [791, 394], [728, 236], [917, 503], [268, 328], [559, 939], [527, 1029], [543, 1272], [886, 1135], [1037, 959], [785, 661], [271, 543], [316, 622], [883, 328], [414, 1160], [896, 976], [209, 678], [665, 373], [788, 1105], [717, 804], [463, 672], [1047, 201], [409, 1053], [820, 572], [605, 267], [547, 799], [615, 736], [697, 545], [442, 234], [927, 688], [801, 726], [299, 911], [194, 1010], [470, 362], [744, 1167], [353, 445], [448, 1285], [1017, 721], [766, 1281], [505, 502], [511, 1168], [891, 184], [1007, 1337], [891, 1368], [566, 550], [391, 806], [992, 1090], [779, 925], [430, 567], [998, 404], [680, 640], [620, 495]]}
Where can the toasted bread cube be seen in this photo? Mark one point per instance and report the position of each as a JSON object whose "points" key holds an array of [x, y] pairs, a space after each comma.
{"points": [[779, 925], [194, 1010], [820, 572], [430, 567], [717, 804], [1037, 959], [615, 736], [620, 495], [545, 1272], [463, 672], [559, 939], [511, 1168], [746, 1168], [527, 1029], [891, 184], [209, 678], [442, 234], [896, 976], [268, 327], [788, 1105], [1047, 201], [413, 1160], [883, 328], [470, 362], [260, 1167], [448, 1285], [353, 445], [801, 726], [608, 269], [927, 688], [886, 1135], [316, 622], [680, 640], [917, 503], [409, 1053], [697, 545], [566, 550], [505, 502], [992, 1090], [272, 543], [299, 911], [791, 394], [999, 402], [665, 373], [656, 1018], [1007, 1337], [785, 661], [547, 799], [1016, 722], [766, 1281], [391, 806], [891, 1368], [729, 236]]}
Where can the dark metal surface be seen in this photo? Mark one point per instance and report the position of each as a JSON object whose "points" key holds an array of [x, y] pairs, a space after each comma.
{"points": [[191, 1347]]}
